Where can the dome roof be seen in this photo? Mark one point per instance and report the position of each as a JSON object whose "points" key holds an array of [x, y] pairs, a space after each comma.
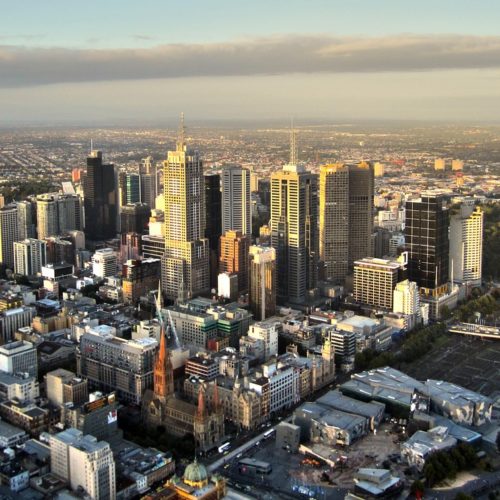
{"points": [[195, 473]]}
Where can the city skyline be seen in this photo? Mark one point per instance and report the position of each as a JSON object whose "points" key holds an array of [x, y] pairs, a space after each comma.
{"points": [[322, 60]]}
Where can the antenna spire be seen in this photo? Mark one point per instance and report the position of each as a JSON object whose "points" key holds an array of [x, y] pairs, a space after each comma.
{"points": [[91, 145], [181, 139], [293, 145]]}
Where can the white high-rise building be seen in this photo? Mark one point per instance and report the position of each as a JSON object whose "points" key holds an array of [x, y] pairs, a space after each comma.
{"points": [[46, 215], [29, 256], [236, 200], [9, 233], [84, 462], [466, 244], [58, 213], [406, 298], [268, 333], [19, 356], [104, 263]]}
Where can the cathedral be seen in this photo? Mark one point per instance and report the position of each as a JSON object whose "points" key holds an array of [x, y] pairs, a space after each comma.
{"points": [[161, 406]]}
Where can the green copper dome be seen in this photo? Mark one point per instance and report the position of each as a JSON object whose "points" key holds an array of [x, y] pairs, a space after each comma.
{"points": [[195, 473]]}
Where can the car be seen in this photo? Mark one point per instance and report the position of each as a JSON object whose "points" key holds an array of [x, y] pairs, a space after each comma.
{"points": [[239, 455], [257, 443]]}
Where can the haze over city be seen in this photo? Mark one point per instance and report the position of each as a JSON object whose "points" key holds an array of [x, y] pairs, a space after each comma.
{"points": [[328, 60]]}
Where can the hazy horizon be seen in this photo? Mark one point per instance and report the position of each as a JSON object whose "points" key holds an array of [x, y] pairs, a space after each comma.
{"points": [[316, 60]]}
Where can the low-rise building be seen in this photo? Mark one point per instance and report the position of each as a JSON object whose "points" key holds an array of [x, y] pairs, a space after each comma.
{"points": [[422, 444]]}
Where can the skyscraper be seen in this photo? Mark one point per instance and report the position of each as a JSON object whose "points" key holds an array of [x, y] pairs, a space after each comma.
{"points": [[466, 244], [134, 218], [334, 221], [129, 186], [236, 200], [84, 462], [360, 211], [100, 198], [213, 229], [29, 256], [185, 267], [58, 213], [8, 234], [234, 257], [294, 234], [46, 215], [147, 172], [26, 219], [345, 217], [262, 278], [426, 235]]}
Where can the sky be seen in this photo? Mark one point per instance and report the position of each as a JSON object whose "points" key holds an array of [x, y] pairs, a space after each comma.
{"points": [[134, 62]]}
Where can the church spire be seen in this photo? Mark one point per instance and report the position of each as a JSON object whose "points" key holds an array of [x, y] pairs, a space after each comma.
{"points": [[163, 372], [200, 412]]}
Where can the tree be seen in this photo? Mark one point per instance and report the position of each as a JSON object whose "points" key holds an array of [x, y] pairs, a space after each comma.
{"points": [[417, 488], [463, 496]]}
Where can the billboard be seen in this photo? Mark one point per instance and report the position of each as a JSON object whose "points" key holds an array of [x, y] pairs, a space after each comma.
{"points": [[112, 416]]}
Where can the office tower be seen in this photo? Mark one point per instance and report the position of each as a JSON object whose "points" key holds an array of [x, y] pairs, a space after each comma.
{"points": [[185, 269], [60, 250], [361, 187], [26, 219], [8, 234], [294, 229], [334, 221], [58, 213], [147, 172], [86, 463], [64, 387], [457, 165], [2, 201], [129, 186], [29, 256], [426, 235], [254, 181], [406, 299], [46, 215], [130, 246], [234, 257], [375, 281], [139, 277], [227, 286], [100, 199], [111, 363], [262, 278], [439, 164], [213, 229], [104, 263], [69, 213], [152, 246], [345, 218], [236, 200], [378, 169], [134, 218], [19, 356], [466, 244], [268, 333], [13, 319]]}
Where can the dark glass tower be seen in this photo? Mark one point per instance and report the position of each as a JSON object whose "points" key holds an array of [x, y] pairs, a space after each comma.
{"points": [[100, 198], [213, 230], [426, 233]]}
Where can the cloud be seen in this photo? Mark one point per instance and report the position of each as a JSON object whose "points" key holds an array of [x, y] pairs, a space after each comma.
{"points": [[23, 66]]}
